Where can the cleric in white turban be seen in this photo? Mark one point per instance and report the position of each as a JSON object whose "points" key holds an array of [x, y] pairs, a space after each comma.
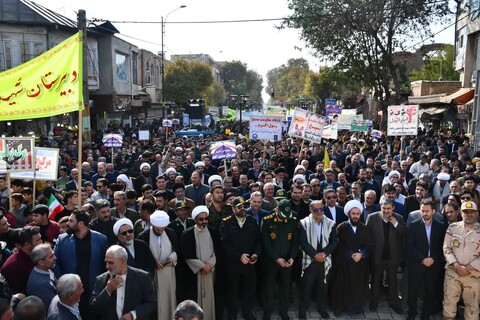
{"points": [[352, 204]]}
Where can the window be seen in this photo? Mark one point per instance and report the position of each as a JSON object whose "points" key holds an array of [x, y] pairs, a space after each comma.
{"points": [[157, 75], [5, 55], [24, 51], [92, 61], [134, 68], [121, 62]]}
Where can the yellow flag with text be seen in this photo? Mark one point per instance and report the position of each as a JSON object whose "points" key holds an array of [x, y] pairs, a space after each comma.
{"points": [[45, 86], [326, 159]]}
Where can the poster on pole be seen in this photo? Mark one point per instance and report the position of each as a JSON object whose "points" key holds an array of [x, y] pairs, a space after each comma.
{"points": [[112, 140], [330, 131], [186, 119], [167, 123], [314, 129], [344, 120], [402, 120], [361, 125], [16, 154], [299, 123], [143, 135], [332, 110], [226, 149], [265, 128], [46, 165]]}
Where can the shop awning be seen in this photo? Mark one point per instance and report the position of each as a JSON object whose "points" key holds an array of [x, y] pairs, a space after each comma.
{"points": [[433, 110], [462, 96], [430, 99]]}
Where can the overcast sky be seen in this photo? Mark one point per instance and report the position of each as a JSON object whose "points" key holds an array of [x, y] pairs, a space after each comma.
{"points": [[258, 44]]}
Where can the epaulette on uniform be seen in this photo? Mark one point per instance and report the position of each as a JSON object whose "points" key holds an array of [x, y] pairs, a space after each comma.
{"points": [[227, 218], [268, 217]]}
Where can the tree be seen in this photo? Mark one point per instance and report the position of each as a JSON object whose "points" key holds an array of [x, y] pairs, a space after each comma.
{"points": [[239, 80], [438, 65], [186, 80], [215, 94], [362, 35], [288, 81]]}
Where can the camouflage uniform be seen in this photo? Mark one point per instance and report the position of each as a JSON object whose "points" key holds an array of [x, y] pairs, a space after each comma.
{"points": [[461, 246]]}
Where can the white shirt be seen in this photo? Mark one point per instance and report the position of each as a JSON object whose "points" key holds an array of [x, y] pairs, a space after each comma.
{"points": [[121, 299], [333, 212]]}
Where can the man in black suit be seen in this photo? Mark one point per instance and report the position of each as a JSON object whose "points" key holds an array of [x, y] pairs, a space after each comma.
{"points": [[388, 234], [332, 210], [139, 255], [425, 260], [122, 292], [72, 184]]}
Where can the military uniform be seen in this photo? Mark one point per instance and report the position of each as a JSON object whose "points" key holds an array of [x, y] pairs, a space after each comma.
{"points": [[461, 246], [240, 238], [280, 240], [215, 217]]}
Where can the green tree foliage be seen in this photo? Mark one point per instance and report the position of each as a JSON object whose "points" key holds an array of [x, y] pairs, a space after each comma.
{"points": [[239, 80], [331, 82], [288, 80], [362, 35], [215, 94], [436, 66], [186, 80]]}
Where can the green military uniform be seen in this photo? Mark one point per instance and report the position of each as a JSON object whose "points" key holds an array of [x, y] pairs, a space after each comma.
{"points": [[215, 217], [280, 241]]}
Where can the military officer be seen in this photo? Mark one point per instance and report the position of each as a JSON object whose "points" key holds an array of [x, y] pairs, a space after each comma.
{"points": [[280, 245], [462, 276], [240, 237]]}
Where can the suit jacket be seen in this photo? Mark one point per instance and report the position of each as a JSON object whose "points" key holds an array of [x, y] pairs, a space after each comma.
{"points": [[340, 216], [143, 256], [139, 296], [58, 311], [72, 186], [177, 226], [129, 214], [251, 174], [417, 245], [396, 237], [196, 196]]}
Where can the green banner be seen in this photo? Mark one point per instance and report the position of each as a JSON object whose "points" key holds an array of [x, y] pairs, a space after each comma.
{"points": [[45, 86]]}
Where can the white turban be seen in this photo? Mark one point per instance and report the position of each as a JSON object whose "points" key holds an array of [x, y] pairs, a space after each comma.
{"points": [[198, 210], [215, 177], [299, 176], [394, 172], [169, 170], [298, 168], [124, 178], [179, 149], [199, 164], [352, 204], [159, 219], [143, 165], [120, 223], [443, 176]]}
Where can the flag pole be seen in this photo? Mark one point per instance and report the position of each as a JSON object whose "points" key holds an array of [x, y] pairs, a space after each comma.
{"points": [[82, 27]]}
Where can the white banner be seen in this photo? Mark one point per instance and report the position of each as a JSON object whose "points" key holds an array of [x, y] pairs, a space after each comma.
{"points": [[402, 120], [46, 164], [143, 135], [330, 131], [314, 129], [299, 123], [265, 128], [344, 120]]}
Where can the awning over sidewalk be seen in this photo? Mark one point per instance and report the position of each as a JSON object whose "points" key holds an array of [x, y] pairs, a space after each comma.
{"points": [[430, 99], [462, 96], [433, 110]]}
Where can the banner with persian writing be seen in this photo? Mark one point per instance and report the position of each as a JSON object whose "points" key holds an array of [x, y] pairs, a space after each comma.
{"points": [[402, 120], [46, 165], [45, 86], [314, 129], [265, 128], [226, 149], [16, 154], [299, 123]]}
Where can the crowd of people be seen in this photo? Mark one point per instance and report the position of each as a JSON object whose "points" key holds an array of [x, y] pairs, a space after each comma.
{"points": [[159, 222]]}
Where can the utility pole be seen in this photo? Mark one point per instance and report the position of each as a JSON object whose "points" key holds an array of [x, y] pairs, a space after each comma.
{"points": [[162, 70], [82, 27]]}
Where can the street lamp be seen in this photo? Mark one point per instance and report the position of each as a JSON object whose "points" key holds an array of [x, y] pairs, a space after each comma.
{"points": [[163, 55]]}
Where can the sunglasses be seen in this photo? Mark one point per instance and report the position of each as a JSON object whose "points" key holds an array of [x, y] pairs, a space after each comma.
{"points": [[315, 185], [124, 233], [202, 219], [331, 197], [317, 210], [466, 198]]}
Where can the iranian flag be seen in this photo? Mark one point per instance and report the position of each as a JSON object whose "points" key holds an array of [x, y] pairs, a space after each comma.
{"points": [[54, 207]]}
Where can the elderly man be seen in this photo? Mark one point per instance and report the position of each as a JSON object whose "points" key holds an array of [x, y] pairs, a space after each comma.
{"points": [[122, 292], [102, 173], [42, 282], [188, 310], [64, 305], [163, 244], [196, 190], [121, 211], [317, 239], [139, 255], [460, 249], [200, 245]]}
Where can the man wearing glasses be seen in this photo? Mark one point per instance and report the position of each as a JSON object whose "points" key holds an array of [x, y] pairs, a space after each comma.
{"points": [[139, 255], [332, 210], [317, 239]]}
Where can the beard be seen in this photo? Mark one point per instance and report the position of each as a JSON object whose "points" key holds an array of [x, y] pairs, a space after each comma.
{"points": [[354, 222], [240, 213], [128, 242], [71, 230]]}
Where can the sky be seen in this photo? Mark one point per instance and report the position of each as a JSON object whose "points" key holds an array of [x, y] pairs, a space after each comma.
{"points": [[258, 44]]}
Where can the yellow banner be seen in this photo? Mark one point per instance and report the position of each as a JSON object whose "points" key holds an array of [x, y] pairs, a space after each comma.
{"points": [[45, 86]]}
